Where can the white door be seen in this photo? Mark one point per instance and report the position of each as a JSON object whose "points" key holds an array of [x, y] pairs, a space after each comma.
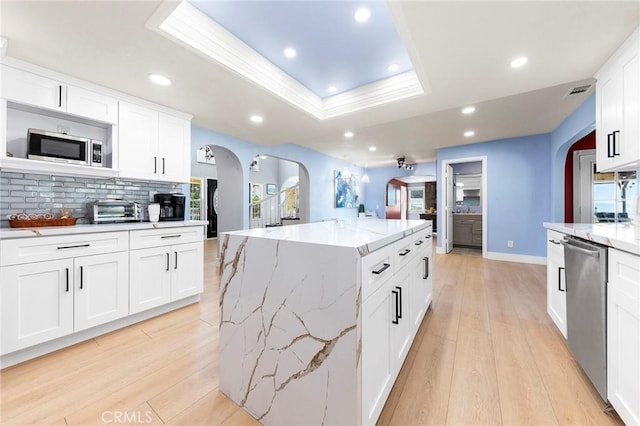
{"points": [[607, 116], [37, 303], [137, 141], [420, 289], [149, 278], [186, 270], [402, 330], [31, 89], [92, 105], [450, 202], [174, 139], [583, 186], [101, 289], [377, 360]]}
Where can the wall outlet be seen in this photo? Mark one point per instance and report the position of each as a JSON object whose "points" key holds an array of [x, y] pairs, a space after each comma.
{"points": [[510, 243]]}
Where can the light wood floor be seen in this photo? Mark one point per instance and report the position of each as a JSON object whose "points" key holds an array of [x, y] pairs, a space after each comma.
{"points": [[487, 353]]}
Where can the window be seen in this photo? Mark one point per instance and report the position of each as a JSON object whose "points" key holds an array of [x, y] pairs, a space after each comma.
{"points": [[612, 193], [416, 199]]}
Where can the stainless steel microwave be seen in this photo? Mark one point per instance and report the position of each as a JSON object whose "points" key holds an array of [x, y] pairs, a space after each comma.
{"points": [[63, 148]]}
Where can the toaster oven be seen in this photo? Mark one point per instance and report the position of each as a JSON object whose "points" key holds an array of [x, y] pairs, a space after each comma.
{"points": [[115, 211]]}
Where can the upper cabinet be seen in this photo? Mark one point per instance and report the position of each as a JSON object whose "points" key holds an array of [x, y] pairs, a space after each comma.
{"points": [[618, 110], [153, 145], [141, 140], [30, 89]]}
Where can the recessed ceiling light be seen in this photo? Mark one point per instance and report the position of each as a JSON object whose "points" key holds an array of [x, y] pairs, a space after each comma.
{"points": [[393, 67], [256, 119], [362, 14], [290, 52], [348, 134], [372, 148], [469, 133], [468, 110], [332, 89], [160, 80], [518, 62]]}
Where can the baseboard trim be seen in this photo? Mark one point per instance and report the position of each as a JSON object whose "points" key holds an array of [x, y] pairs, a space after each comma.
{"points": [[518, 258]]}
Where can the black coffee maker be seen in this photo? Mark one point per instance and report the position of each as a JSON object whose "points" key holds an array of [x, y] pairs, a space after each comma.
{"points": [[171, 206]]}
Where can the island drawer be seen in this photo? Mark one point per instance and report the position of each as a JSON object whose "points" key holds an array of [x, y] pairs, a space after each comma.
{"points": [[36, 249], [404, 251], [377, 268], [166, 236], [422, 239]]}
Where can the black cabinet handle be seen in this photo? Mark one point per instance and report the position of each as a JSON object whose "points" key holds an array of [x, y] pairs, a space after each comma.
{"points": [[167, 261], [67, 270], [419, 242], [427, 237], [395, 293], [162, 165], [609, 153], [615, 143], [81, 278], [555, 242], [560, 269], [385, 266], [405, 252], [176, 262], [78, 246], [400, 298], [155, 164], [426, 268], [171, 236], [60, 95]]}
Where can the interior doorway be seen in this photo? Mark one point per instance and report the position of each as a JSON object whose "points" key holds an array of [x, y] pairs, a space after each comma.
{"points": [[212, 208], [453, 199]]}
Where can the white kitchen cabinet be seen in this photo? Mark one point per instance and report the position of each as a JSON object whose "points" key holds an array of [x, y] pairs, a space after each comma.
{"points": [[166, 265], [37, 303], [556, 285], [42, 92], [402, 332], [623, 335], [95, 106], [153, 145], [34, 90], [101, 289], [618, 109], [421, 278]]}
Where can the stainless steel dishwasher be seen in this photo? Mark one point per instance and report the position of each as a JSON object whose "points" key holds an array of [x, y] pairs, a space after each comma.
{"points": [[586, 286]]}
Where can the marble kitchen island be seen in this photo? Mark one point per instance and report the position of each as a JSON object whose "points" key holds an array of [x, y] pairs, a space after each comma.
{"points": [[316, 319]]}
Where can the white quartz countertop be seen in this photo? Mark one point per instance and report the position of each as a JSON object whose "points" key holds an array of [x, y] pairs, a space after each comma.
{"points": [[7, 233], [366, 235], [621, 236]]}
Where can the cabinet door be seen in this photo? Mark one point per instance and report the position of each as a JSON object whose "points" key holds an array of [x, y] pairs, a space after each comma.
{"points": [[187, 270], [377, 359], [31, 89], [623, 335], [37, 303], [421, 285], [556, 285], [101, 288], [606, 118], [628, 138], [462, 231], [402, 332], [137, 141], [149, 278], [88, 104], [174, 149]]}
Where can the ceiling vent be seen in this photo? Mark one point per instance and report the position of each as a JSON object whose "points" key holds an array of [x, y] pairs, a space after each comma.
{"points": [[579, 90]]}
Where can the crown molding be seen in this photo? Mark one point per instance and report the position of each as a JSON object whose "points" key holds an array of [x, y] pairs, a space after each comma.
{"points": [[188, 26]]}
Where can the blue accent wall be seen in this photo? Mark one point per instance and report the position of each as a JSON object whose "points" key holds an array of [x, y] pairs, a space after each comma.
{"points": [[518, 191]]}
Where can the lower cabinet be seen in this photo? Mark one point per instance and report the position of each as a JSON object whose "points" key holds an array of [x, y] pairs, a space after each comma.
{"points": [[391, 316], [42, 301], [623, 335], [159, 275], [556, 286]]}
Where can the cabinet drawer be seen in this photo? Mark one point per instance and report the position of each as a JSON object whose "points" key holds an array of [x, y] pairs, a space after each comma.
{"points": [[554, 248], [166, 236], [37, 249], [376, 268], [422, 239], [403, 252]]}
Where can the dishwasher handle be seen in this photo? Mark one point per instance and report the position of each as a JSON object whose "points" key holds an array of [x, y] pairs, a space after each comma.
{"points": [[595, 252]]}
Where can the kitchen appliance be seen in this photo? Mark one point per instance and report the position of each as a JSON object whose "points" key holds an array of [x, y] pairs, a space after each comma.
{"points": [[171, 206], [63, 148], [586, 287], [115, 211]]}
